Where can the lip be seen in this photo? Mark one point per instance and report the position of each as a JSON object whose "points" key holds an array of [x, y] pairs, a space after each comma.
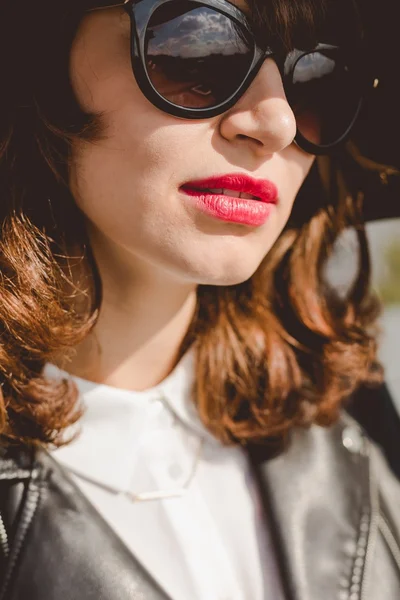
{"points": [[244, 211], [263, 189]]}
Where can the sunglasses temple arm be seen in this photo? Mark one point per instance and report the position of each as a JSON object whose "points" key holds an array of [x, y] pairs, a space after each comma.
{"points": [[104, 4]]}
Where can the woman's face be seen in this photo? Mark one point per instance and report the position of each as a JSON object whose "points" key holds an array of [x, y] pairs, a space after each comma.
{"points": [[128, 184]]}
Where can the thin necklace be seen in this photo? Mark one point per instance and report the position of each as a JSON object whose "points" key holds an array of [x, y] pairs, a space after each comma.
{"points": [[153, 495]]}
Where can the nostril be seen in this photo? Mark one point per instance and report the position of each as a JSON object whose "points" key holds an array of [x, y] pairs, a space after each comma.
{"points": [[246, 138]]}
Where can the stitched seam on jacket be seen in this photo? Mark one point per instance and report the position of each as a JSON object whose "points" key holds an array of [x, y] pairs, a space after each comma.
{"points": [[358, 569], [16, 474], [4, 541], [11, 469], [28, 512], [390, 540]]}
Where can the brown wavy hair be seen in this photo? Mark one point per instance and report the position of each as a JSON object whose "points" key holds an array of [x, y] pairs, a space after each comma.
{"points": [[281, 349]]}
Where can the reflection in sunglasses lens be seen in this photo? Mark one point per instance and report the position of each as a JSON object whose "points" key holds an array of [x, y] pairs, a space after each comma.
{"points": [[196, 57], [324, 96]]}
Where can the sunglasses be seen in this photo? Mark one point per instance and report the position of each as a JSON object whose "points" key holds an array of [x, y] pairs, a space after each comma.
{"points": [[194, 59]]}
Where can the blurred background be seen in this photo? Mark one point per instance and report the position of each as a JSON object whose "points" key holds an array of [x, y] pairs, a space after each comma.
{"points": [[384, 239]]}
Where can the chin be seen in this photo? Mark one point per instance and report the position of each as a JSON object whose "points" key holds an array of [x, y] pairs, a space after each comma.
{"points": [[223, 277], [218, 264], [234, 278]]}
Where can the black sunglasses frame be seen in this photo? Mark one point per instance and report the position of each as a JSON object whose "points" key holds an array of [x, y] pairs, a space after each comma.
{"points": [[140, 13]]}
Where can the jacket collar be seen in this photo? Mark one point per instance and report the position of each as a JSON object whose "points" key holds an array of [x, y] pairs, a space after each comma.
{"points": [[319, 503]]}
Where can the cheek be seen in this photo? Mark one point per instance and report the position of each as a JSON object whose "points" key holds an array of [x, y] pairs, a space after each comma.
{"points": [[126, 184], [119, 179]]}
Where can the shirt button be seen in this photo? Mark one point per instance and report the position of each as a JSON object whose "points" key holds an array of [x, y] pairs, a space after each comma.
{"points": [[157, 404], [175, 471]]}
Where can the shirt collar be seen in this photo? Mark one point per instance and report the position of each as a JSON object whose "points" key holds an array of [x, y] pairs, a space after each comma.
{"points": [[115, 420]]}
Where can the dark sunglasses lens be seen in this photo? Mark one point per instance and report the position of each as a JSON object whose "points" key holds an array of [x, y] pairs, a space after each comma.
{"points": [[196, 57], [325, 96]]}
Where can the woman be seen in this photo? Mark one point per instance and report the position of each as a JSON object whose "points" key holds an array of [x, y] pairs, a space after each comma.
{"points": [[166, 321]]}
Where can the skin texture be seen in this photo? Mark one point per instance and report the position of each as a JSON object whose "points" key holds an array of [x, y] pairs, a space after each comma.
{"points": [[152, 246]]}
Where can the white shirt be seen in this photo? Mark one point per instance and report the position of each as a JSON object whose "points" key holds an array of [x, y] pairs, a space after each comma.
{"points": [[210, 543]]}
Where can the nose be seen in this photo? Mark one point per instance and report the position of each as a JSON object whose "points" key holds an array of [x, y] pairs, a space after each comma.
{"points": [[262, 118]]}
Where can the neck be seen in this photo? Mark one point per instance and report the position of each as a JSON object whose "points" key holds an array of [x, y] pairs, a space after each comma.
{"points": [[144, 317]]}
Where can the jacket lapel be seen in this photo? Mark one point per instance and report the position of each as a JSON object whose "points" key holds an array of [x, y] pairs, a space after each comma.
{"points": [[317, 499], [83, 554]]}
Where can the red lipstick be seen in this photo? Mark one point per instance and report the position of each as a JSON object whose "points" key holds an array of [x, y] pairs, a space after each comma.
{"points": [[237, 198]]}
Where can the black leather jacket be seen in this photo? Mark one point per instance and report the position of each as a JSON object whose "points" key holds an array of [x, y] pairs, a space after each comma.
{"points": [[332, 502]]}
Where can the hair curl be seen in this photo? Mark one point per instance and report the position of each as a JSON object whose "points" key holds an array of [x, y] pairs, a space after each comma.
{"points": [[279, 350]]}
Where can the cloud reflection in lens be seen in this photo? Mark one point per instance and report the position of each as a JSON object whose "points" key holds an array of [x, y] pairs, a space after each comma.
{"points": [[196, 57]]}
